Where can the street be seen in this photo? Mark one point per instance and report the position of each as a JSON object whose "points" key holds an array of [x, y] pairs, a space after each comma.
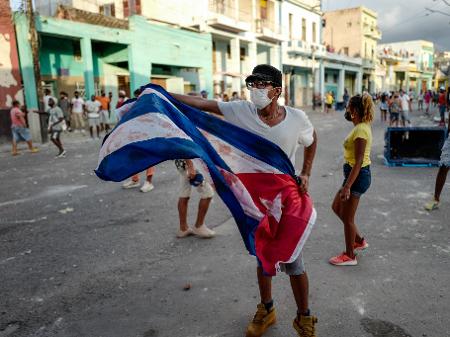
{"points": [[81, 257]]}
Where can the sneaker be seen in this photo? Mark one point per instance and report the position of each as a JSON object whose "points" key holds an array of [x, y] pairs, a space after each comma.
{"points": [[131, 184], [182, 234], [147, 187], [361, 246], [261, 321], [34, 150], [61, 154], [15, 153], [203, 232], [305, 327], [432, 205], [343, 260]]}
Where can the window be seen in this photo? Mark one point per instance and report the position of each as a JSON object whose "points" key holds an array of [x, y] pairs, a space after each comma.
{"points": [[108, 10], [228, 51], [131, 7], [346, 51], [291, 26], [349, 24], [243, 53], [303, 29], [314, 32], [76, 50]]}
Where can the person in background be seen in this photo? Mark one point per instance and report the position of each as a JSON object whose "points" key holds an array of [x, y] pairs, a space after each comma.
{"points": [[122, 99], [110, 96], [188, 178], [428, 97], [406, 103], [444, 166], [384, 107], [328, 101], [77, 105], [234, 97], [64, 105], [411, 96], [47, 96], [19, 129], [346, 97], [104, 111], [92, 108], [357, 176], [420, 101], [134, 181], [442, 102], [394, 110], [225, 98], [55, 120], [204, 94]]}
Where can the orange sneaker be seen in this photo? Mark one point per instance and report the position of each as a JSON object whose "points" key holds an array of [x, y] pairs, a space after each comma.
{"points": [[361, 246], [343, 260]]}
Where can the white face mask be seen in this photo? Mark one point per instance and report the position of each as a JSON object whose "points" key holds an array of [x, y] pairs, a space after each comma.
{"points": [[259, 98]]}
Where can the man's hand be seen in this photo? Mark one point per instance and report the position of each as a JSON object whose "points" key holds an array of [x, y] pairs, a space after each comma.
{"points": [[303, 188]]}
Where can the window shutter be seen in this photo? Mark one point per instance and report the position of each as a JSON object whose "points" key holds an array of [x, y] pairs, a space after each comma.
{"points": [[113, 10], [126, 8], [138, 7]]}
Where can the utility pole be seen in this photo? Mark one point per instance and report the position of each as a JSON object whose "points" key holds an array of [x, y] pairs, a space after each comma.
{"points": [[34, 43]]}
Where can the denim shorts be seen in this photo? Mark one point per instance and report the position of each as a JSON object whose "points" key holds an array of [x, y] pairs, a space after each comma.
{"points": [[292, 269], [362, 182], [442, 111], [20, 133]]}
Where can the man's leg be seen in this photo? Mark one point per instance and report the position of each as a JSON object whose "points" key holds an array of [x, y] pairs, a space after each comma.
{"points": [[265, 286], [440, 182], [98, 131], [203, 206], [300, 289], [182, 213], [14, 146], [91, 131]]}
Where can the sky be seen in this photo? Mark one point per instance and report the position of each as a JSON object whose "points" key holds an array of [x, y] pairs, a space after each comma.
{"points": [[403, 20]]}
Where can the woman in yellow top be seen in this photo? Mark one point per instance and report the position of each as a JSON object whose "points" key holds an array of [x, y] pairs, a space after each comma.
{"points": [[357, 176], [328, 101]]}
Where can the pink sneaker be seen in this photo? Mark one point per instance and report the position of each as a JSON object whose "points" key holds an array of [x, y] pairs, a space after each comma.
{"points": [[343, 260], [361, 246]]}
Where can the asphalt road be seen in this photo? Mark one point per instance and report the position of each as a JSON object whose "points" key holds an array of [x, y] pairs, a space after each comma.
{"points": [[81, 257]]}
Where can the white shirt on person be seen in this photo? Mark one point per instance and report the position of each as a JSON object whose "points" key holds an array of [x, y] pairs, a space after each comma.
{"points": [[294, 130], [77, 104], [92, 108], [405, 102]]}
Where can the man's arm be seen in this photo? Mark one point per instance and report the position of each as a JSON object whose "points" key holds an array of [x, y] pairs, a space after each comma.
{"points": [[308, 158], [199, 103]]}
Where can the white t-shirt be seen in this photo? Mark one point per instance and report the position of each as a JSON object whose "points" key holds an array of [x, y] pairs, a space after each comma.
{"points": [[46, 99], [405, 102], [92, 108], [295, 129], [77, 104]]}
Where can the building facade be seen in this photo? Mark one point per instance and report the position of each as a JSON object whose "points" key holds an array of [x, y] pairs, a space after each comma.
{"points": [[408, 65], [354, 32], [442, 70]]}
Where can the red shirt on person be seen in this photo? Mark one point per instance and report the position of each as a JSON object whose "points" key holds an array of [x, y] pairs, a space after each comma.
{"points": [[442, 100], [16, 113]]}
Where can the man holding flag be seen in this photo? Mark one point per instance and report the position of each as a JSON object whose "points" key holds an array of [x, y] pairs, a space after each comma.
{"points": [[286, 127]]}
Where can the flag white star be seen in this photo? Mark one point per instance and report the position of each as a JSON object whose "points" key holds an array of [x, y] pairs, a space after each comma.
{"points": [[274, 207]]}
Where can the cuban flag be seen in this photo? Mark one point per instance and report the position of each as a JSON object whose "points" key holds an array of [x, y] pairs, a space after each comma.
{"points": [[253, 176]]}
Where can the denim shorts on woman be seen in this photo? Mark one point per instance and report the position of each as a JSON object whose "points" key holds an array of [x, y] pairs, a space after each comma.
{"points": [[362, 182]]}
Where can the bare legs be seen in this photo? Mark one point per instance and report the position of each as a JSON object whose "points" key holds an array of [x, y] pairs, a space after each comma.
{"points": [[203, 206], [346, 211], [440, 182]]}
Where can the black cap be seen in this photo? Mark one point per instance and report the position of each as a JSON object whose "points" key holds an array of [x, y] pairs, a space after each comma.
{"points": [[265, 72]]}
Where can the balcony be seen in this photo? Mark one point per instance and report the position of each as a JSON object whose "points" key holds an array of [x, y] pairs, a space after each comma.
{"points": [[268, 31], [368, 64], [222, 15], [372, 32], [302, 48]]}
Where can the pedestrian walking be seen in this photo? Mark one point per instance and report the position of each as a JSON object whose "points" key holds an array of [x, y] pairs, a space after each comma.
{"points": [[384, 107], [92, 108], [420, 99], [346, 97], [405, 108], [328, 102], [55, 126], [411, 96], [395, 107], [190, 177], [357, 176], [64, 105], [444, 166], [442, 102], [19, 129], [287, 127], [235, 96], [104, 111], [77, 106], [428, 98]]}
